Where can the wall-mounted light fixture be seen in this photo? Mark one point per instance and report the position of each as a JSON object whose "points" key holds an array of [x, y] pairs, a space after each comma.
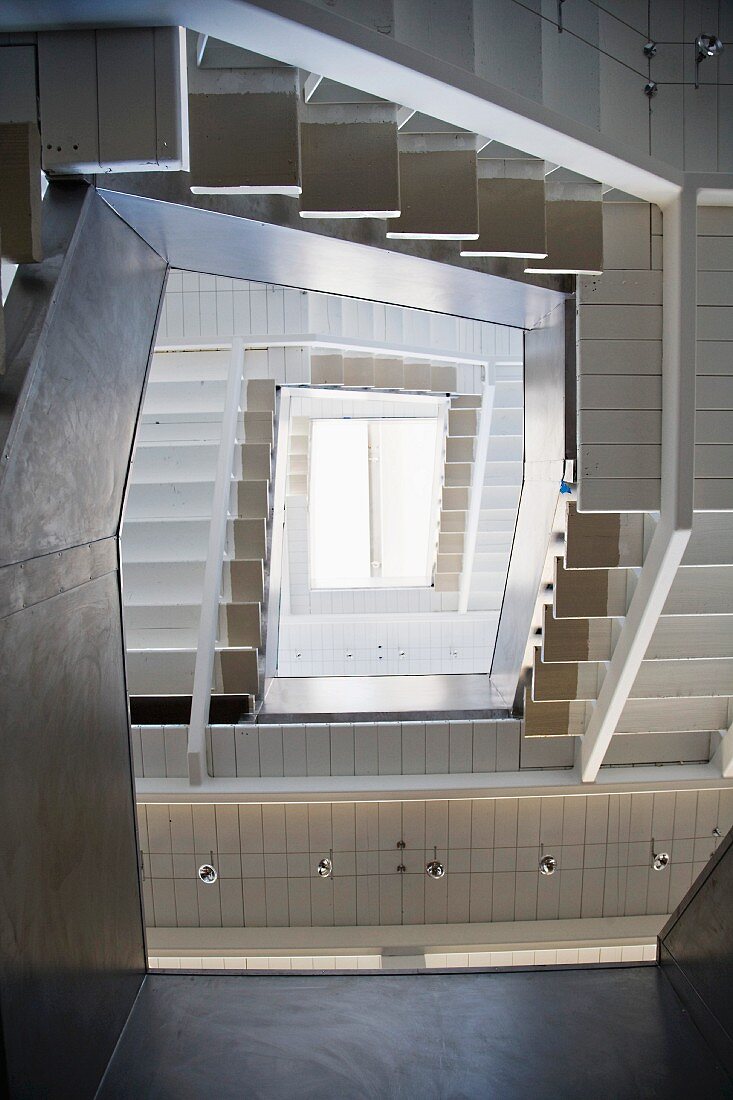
{"points": [[547, 864], [434, 868], [706, 46], [324, 868], [660, 860]]}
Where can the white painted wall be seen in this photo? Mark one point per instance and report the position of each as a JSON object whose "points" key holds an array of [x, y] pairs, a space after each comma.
{"points": [[619, 365], [595, 71], [714, 419], [266, 855]]}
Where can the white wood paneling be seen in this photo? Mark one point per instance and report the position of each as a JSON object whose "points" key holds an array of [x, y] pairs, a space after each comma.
{"points": [[619, 364]]}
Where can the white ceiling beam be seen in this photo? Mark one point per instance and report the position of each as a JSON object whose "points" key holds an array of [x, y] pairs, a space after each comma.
{"points": [[401, 788], [678, 464]]}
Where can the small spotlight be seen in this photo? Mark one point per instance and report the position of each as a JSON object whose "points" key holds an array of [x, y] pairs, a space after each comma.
{"points": [[708, 45], [660, 861], [324, 868], [208, 874], [434, 868], [548, 865]]}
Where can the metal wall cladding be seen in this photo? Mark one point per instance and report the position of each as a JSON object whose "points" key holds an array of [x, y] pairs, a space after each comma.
{"points": [[81, 326], [69, 444]]}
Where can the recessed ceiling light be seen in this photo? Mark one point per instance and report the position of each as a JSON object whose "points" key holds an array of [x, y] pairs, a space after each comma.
{"points": [[208, 874]]}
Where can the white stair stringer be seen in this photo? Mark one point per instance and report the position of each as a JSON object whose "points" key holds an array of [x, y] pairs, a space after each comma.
{"points": [[167, 516], [502, 485]]}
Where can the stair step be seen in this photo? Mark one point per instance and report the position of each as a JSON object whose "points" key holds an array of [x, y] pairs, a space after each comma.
{"points": [[190, 366], [171, 671], [488, 562], [505, 448], [161, 463], [171, 500], [495, 497], [142, 617], [259, 427], [241, 624], [151, 583], [165, 540], [184, 397], [509, 395], [260, 395], [504, 473], [507, 422], [179, 429]]}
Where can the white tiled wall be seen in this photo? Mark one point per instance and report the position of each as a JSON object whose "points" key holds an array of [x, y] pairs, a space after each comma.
{"points": [[207, 308], [266, 857], [387, 645], [366, 748]]}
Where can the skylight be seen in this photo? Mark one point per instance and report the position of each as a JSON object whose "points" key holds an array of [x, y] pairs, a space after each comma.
{"points": [[372, 502]]}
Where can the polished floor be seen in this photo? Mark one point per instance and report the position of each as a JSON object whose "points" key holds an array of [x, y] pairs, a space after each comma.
{"points": [[381, 698], [608, 1033]]}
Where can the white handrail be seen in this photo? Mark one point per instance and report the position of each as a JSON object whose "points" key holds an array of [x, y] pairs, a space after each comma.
{"points": [[477, 488], [209, 621]]}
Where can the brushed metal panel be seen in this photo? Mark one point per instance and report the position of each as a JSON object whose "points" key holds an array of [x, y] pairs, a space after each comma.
{"points": [[202, 240], [70, 920], [697, 951], [65, 461], [26, 583]]}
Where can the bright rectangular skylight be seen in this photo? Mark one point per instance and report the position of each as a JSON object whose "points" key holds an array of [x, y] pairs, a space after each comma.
{"points": [[372, 502]]}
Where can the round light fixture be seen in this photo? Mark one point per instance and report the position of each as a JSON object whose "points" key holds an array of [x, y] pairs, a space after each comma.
{"points": [[434, 868], [548, 865], [208, 874], [325, 868], [660, 861], [708, 45]]}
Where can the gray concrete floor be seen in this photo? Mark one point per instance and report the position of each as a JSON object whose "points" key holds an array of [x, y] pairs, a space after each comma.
{"points": [[572, 1034], [381, 698]]}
